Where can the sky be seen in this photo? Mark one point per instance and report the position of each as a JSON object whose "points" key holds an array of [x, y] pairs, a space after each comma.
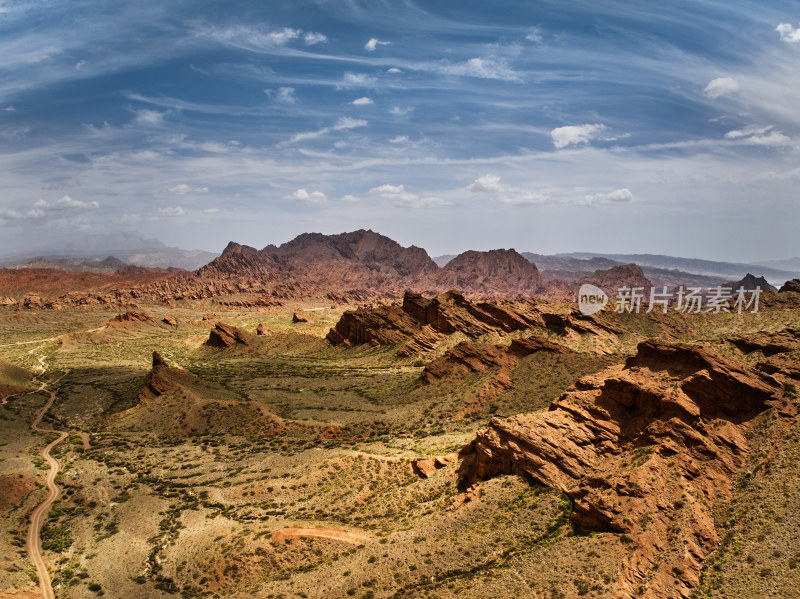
{"points": [[546, 126]]}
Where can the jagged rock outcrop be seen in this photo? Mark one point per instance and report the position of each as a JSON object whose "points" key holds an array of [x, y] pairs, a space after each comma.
{"points": [[644, 450], [130, 317], [296, 317], [424, 322], [162, 379], [262, 331], [792, 285], [226, 335]]}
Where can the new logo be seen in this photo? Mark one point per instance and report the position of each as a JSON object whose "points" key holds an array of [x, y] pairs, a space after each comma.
{"points": [[591, 299]]}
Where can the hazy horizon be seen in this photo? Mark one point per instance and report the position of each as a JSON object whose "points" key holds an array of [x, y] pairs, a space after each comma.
{"points": [[548, 128]]}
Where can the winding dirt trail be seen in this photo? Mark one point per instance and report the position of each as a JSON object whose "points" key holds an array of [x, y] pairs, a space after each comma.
{"points": [[33, 542]]}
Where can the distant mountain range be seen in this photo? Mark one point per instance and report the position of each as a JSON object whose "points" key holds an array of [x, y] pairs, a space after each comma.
{"points": [[88, 253], [722, 270]]}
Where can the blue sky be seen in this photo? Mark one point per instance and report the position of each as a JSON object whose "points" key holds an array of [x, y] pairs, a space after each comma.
{"points": [[545, 126]]}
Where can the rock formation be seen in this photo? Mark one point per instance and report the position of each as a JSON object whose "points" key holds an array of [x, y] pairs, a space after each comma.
{"points": [[749, 283], [791, 285], [162, 379], [226, 335], [424, 322], [643, 450], [467, 357]]}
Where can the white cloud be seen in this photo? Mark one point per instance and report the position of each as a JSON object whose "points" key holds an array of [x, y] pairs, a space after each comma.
{"points": [[575, 134], [356, 80], [373, 43], [534, 36], [762, 136], [398, 111], [184, 188], [285, 94], [80, 64], [9, 109], [480, 68], [342, 124], [171, 211], [618, 196], [346, 122], [362, 101], [62, 211], [394, 70], [149, 118], [301, 196], [284, 35], [211, 211], [506, 194], [350, 199], [400, 139], [397, 195], [67, 203], [487, 184], [788, 33], [311, 38], [720, 87]]}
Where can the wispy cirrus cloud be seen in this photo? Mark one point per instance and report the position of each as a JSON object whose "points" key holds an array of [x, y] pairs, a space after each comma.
{"points": [[721, 86]]}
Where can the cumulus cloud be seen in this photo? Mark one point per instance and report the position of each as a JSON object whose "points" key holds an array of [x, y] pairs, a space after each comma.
{"points": [[362, 101], [721, 86], [373, 43], [171, 211], [350, 199], [356, 80], [302, 196], [394, 70], [487, 184], [311, 38], [184, 188], [788, 33], [397, 195], [507, 194], [62, 210], [400, 139], [575, 134], [618, 196], [285, 94], [762, 136]]}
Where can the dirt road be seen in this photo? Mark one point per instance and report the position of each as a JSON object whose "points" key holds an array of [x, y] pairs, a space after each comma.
{"points": [[33, 542]]}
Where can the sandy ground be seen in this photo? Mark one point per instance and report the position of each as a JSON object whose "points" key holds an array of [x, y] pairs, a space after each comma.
{"points": [[297, 532]]}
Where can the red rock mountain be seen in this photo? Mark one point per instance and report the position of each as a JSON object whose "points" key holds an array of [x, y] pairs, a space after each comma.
{"points": [[357, 267]]}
